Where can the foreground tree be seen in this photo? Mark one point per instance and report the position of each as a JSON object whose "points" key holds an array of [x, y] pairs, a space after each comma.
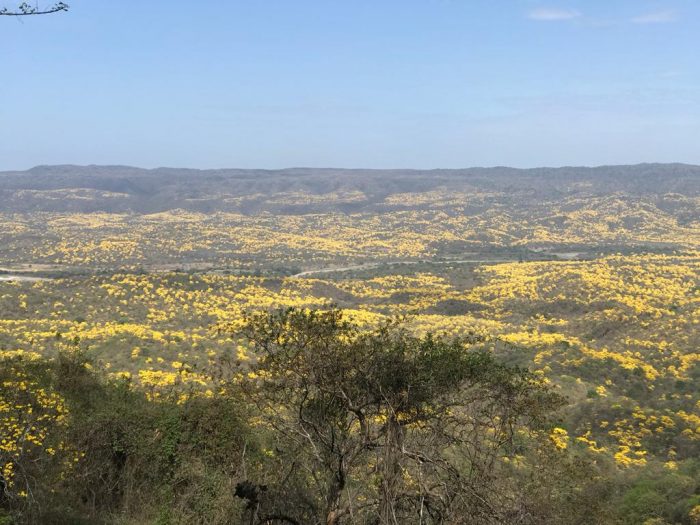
{"points": [[381, 426]]}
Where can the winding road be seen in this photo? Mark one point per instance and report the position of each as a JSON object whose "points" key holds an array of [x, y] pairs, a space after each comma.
{"points": [[372, 265]]}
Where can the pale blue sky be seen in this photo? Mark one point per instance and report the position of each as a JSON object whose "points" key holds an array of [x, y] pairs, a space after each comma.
{"points": [[354, 83]]}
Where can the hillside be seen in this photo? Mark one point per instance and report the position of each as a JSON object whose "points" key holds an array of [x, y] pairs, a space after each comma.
{"points": [[303, 219], [126, 290]]}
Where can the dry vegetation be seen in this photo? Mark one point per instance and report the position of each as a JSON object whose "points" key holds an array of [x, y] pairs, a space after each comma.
{"points": [[598, 294]]}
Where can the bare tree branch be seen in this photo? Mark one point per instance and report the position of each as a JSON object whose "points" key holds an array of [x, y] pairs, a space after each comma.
{"points": [[24, 9]]}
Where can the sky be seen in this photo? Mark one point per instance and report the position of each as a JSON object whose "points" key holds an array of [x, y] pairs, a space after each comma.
{"points": [[353, 83]]}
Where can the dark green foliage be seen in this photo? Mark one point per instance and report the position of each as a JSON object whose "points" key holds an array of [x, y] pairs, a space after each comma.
{"points": [[142, 459], [384, 426], [663, 494]]}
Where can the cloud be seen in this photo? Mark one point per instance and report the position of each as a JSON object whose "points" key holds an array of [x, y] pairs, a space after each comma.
{"points": [[657, 17], [553, 14]]}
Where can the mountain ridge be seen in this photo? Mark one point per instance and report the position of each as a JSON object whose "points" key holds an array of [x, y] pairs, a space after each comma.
{"points": [[65, 188]]}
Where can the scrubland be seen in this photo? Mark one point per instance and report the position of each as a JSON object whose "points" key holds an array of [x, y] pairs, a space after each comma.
{"points": [[127, 368]]}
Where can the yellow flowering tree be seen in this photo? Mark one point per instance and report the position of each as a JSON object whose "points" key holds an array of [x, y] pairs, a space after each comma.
{"points": [[32, 419]]}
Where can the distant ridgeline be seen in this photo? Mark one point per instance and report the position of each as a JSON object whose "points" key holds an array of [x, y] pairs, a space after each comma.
{"points": [[301, 190]]}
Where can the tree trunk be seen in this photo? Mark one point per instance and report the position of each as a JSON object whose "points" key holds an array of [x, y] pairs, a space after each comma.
{"points": [[333, 499], [391, 471]]}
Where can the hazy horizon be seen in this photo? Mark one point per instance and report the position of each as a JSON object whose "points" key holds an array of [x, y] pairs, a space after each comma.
{"points": [[349, 168], [411, 84]]}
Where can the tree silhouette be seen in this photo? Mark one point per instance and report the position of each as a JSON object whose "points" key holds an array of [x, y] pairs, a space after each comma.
{"points": [[24, 9]]}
